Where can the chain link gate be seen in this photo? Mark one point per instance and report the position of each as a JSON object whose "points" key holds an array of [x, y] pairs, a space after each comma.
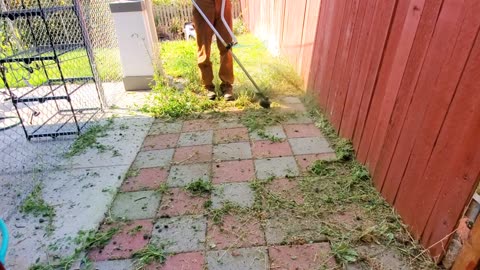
{"points": [[58, 58]]}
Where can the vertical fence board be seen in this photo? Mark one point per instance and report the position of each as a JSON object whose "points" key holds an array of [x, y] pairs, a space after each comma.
{"points": [[333, 101], [330, 9], [335, 29], [317, 48], [405, 94], [381, 25], [344, 81], [308, 37], [352, 104]]}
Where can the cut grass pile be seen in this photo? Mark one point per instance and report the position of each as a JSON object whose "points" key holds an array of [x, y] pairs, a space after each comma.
{"points": [[89, 140], [273, 74]]}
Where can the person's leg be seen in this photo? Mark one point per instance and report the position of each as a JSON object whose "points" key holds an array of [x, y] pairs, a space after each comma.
{"points": [[226, 59], [204, 42]]}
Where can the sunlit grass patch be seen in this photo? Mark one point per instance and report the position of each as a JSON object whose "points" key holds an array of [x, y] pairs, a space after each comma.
{"points": [[274, 76]]}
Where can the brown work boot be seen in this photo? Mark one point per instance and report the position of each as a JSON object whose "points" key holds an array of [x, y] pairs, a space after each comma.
{"points": [[211, 94], [227, 91]]}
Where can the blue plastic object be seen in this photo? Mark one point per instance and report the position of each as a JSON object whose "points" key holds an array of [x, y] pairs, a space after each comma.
{"points": [[4, 244]]}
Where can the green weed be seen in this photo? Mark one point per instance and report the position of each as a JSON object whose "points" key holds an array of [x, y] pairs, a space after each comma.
{"points": [[132, 172], [163, 188], [35, 204], [150, 254], [200, 187], [135, 230], [218, 214], [269, 137], [95, 239], [85, 240], [344, 150], [89, 139], [260, 119], [344, 252], [322, 168]]}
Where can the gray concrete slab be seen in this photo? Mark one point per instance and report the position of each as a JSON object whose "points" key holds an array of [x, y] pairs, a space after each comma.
{"points": [[122, 142], [81, 197]]}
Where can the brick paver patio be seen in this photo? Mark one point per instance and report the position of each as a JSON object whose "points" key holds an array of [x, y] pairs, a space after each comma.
{"points": [[223, 152]]}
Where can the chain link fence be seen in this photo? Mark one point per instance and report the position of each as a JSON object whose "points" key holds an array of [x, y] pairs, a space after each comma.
{"points": [[59, 68]]}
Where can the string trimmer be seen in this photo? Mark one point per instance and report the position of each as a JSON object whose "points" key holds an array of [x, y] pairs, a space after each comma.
{"points": [[264, 100]]}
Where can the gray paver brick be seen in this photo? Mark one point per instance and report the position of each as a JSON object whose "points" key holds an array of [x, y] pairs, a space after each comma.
{"points": [[238, 259], [232, 151], [232, 122], [136, 205], [114, 265], [237, 193], [196, 138], [180, 234], [285, 229], [182, 175], [314, 145], [277, 167], [299, 119], [165, 128], [276, 131], [154, 158]]}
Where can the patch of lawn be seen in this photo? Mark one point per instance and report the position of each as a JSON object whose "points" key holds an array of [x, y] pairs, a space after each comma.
{"points": [[273, 75], [73, 64]]}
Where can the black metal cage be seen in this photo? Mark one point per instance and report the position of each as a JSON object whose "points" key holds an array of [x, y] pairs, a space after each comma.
{"points": [[47, 67]]}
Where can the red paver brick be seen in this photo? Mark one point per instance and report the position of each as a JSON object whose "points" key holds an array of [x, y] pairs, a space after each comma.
{"points": [[178, 202], [304, 257], [198, 125], [230, 135], [233, 171], [302, 131], [235, 232], [147, 178], [193, 154], [267, 149], [131, 238], [304, 161], [286, 188], [159, 142], [181, 261]]}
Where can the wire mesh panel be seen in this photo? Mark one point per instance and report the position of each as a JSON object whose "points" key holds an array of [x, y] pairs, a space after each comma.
{"points": [[57, 60]]}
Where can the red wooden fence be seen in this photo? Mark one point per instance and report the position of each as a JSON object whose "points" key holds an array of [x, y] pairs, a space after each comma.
{"points": [[401, 79]]}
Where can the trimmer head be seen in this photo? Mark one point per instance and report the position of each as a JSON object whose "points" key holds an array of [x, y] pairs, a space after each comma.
{"points": [[265, 102]]}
